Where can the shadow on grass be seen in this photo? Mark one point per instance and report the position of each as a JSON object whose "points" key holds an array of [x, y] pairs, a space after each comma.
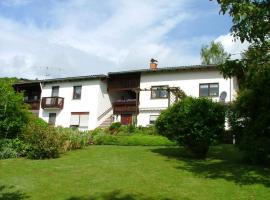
{"points": [[9, 193], [116, 195], [223, 162]]}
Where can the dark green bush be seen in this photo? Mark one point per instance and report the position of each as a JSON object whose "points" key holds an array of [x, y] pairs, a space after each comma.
{"points": [[13, 111], [43, 139], [114, 127], [194, 123]]}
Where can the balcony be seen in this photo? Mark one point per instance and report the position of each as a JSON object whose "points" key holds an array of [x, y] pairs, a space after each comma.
{"points": [[128, 106], [122, 83], [52, 103], [34, 104]]}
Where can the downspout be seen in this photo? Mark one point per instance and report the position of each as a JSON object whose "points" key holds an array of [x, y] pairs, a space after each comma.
{"points": [[40, 84], [230, 89]]}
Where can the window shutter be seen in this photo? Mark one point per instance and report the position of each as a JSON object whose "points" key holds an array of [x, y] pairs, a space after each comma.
{"points": [[84, 120], [74, 120]]}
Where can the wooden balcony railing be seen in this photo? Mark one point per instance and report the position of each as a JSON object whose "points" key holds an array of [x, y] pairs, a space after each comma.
{"points": [[125, 107], [34, 104], [123, 82], [52, 103]]}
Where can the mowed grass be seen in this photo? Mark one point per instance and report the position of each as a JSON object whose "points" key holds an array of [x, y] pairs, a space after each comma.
{"points": [[129, 173]]}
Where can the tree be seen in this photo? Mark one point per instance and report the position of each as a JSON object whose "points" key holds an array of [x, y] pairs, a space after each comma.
{"points": [[250, 118], [13, 112], [194, 123], [213, 54], [251, 19]]}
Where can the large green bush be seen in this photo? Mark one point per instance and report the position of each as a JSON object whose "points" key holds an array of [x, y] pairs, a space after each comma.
{"points": [[194, 123], [13, 111], [43, 139]]}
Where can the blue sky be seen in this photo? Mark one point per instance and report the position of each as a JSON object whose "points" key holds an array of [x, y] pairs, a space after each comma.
{"points": [[55, 38]]}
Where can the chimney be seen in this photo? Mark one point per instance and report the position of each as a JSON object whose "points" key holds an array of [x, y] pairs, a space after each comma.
{"points": [[153, 64]]}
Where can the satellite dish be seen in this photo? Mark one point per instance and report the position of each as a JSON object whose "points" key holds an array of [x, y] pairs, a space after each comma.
{"points": [[222, 96]]}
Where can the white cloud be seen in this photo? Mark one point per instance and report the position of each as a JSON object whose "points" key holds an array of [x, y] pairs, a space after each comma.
{"points": [[90, 37], [232, 46]]}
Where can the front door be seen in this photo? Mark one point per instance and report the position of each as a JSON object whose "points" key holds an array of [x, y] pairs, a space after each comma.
{"points": [[126, 119]]}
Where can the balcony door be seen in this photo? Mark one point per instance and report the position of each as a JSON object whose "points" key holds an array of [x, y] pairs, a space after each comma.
{"points": [[55, 91], [126, 119]]}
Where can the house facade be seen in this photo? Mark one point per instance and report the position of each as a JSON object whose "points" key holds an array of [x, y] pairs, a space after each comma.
{"points": [[136, 96]]}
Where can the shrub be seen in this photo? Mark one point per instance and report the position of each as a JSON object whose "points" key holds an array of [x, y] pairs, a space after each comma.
{"points": [[13, 111], [143, 140], [8, 152], [194, 123], [73, 138], [96, 131], [149, 130], [12, 148], [114, 127], [104, 139], [43, 140]]}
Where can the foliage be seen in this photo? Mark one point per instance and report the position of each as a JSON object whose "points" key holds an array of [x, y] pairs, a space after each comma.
{"points": [[73, 138], [250, 118], [143, 140], [12, 148], [43, 139], [114, 127], [7, 152], [251, 19], [194, 123], [123, 138], [104, 138], [213, 54], [149, 130], [13, 111]]}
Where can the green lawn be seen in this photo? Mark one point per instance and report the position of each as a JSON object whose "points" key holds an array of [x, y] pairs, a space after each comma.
{"points": [[129, 173]]}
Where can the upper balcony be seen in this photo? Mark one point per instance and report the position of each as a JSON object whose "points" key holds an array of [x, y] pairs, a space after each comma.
{"points": [[123, 82], [129, 106], [52, 103]]}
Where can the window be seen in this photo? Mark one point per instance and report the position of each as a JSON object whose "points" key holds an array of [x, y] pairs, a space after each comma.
{"points": [[77, 91], [55, 91], [52, 118], [159, 92], [153, 119], [79, 119], [209, 90]]}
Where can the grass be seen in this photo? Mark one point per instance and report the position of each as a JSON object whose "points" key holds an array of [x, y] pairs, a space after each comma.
{"points": [[131, 173]]}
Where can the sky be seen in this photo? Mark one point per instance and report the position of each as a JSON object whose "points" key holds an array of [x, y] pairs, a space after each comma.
{"points": [[60, 38]]}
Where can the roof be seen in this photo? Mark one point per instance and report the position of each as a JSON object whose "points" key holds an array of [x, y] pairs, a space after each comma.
{"points": [[75, 78], [100, 76], [166, 69], [27, 81]]}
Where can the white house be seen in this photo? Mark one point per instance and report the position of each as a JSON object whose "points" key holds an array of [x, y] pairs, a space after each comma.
{"points": [[136, 96], [193, 80], [75, 102]]}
